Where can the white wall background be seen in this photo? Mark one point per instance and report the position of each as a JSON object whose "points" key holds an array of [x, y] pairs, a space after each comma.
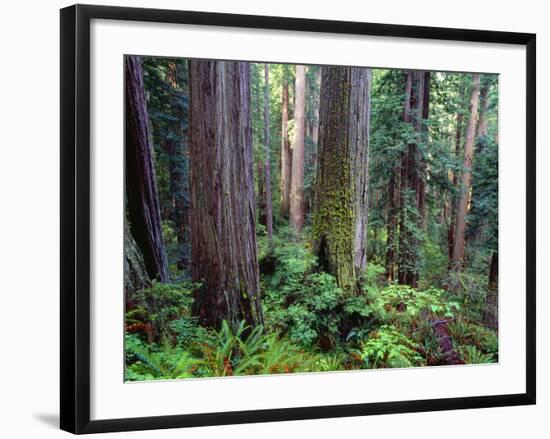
{"points": [[29, 237]]}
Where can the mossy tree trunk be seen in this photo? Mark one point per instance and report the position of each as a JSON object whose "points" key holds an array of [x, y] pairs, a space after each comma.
{"points": [[141, 186], [223, 231], [340, 211]]}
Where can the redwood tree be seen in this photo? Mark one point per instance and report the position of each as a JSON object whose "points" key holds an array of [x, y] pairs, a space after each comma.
{"points": [[267, 173], [454, 175], [223, 231], [340, 211], [141, 186], [412, 191], [286, 151], [297, 206], [466, 184], [483, 120]]}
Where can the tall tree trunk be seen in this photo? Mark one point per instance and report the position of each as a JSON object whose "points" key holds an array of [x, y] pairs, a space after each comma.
{"points": [[483, 122], [223, 231], [490, 314], [297, 205], [340, 215], [454, 179], [286, 152], [315, 126], [466, 184], [312, 122], [268, 199], [141, 186], [421, 191], [260, 174], [359, 126], [411, 163]]}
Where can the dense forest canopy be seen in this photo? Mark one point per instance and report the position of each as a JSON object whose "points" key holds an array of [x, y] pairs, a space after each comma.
{"points": [[284, 218]]}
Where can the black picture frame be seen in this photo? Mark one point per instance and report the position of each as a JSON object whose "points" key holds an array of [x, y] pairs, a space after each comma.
{"points": [[75, 217]]}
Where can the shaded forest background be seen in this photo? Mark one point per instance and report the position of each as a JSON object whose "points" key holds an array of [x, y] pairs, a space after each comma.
{"points": [[287, 218]]}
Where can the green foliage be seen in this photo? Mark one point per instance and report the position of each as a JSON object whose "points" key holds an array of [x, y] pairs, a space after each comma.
{"points": [[144, 362], [472, 335], [187, 331], [298, 301], [470, 289], [156, 307], [429, 343], [433, 261], [471, 355], [402, 304], [483, 215], [256, 353], [221, 353], [387, 347]]}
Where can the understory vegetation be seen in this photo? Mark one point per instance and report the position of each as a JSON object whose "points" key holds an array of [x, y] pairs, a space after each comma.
{"points": [[310, 325]]}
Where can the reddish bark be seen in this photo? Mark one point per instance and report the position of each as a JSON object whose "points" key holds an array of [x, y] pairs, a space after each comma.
{"points": [[412, 192], [454, 178], [268, 199], [141, 186], [286, 152], [223, 231], [466, 183], [483, 123]]}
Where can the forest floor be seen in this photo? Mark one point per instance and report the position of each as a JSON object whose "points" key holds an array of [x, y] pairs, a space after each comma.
{"points": [[310, 325]]}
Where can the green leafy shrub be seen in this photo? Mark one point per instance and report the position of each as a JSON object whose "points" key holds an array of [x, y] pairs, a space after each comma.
{"points": [[156, 307], [470, 289], [230, 352], [305, 310], [222, 353], [387, 347], [187, 331], [429, 343], [300, 302], [434, 261], [150, 362], [470, 334], [403, 305], [472, 355]]}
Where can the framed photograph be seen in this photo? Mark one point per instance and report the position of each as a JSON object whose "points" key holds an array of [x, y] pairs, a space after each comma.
{"points": [[273, 218]]}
